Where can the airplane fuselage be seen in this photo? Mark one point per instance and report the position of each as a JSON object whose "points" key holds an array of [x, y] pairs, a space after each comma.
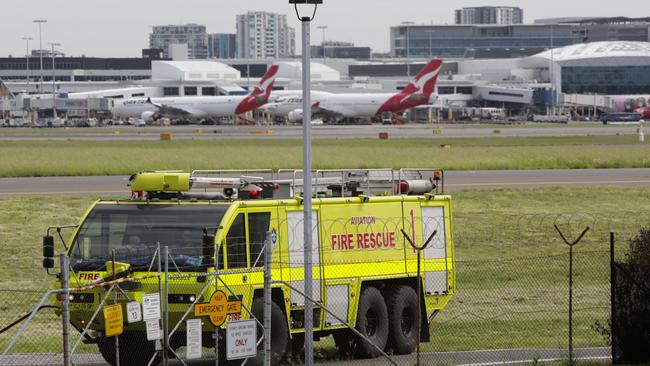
{"points": [[198, 107]]}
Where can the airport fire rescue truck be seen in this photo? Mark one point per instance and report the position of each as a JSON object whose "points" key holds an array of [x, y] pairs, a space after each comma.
{"points": [[364, 269]]}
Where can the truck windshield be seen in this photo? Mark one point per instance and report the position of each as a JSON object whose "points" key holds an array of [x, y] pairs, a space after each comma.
{"points": [[134, 230]]}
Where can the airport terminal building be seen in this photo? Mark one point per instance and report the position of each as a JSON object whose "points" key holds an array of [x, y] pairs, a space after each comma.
{"points": [[519, 85]]}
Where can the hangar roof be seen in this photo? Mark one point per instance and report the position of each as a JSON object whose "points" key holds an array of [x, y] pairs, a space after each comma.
{"points": [[192, 70], [617, 53], [319, 72]]}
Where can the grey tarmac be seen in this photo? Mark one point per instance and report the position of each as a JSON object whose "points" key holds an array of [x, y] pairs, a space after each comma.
{"points": [[454, 181]]}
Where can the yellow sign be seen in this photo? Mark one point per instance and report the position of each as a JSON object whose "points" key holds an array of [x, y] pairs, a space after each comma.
{"points": [[218, 308], [113, 321]]}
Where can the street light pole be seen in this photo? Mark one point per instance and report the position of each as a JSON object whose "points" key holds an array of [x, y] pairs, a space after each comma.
{"points": [[552, 73], [27, 59], [306, 170], [323, 27], [40, 49], [408, 53], [54, 115]]}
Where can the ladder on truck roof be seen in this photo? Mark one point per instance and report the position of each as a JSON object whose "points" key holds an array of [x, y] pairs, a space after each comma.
{"points": [[289, 183]]}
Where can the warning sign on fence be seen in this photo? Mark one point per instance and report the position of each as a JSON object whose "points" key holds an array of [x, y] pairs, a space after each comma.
{"points": [[218, 308], [113, 320], [241, 339]]}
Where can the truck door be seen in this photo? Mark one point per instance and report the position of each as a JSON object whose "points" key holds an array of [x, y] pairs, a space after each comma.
{"points": [[295, 236], [244, 259], [435, 254], [420, 221]]}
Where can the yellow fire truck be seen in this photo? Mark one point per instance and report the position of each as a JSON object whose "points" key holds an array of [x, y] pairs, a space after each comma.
{"points": [[364, 270]]}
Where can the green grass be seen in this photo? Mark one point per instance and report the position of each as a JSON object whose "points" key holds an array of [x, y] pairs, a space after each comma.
{"points": [[58, 158], [511, 270]]}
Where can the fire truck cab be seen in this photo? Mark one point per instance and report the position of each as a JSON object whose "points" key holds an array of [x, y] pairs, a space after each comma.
{"points": [[364, 270]]}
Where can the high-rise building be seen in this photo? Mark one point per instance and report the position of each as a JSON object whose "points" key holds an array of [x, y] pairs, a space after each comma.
{"points": [[194, 35], [490, 15], [457, 41], [222, 45], [263, 35]]}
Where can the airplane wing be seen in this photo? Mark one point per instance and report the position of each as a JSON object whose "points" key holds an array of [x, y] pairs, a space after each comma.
{"points": [[320, 110], [170, 111]]}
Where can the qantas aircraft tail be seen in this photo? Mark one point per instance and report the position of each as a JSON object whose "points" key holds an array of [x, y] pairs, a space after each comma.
{"points": [[425, 81], [266, 84]]}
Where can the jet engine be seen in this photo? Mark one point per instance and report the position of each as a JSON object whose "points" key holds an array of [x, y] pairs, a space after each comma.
{"points": [[149, 117], [295, 116]]}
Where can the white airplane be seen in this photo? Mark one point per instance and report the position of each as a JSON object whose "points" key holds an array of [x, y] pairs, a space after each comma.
{"points": [[416, 93], [151, 109], [283, 102]]}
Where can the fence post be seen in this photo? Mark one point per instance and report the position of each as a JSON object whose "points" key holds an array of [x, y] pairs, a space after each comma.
{"points": [[612, 295], [65, 309], [160, 291], [419, 287], [268, 248], [571, 245], [166, 312]]}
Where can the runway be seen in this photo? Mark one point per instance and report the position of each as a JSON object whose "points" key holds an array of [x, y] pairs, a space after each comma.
{"points": [[454, 181]]}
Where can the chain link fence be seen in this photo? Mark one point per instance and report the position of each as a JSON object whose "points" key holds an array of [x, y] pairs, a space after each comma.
{"points": [[511, 303]]}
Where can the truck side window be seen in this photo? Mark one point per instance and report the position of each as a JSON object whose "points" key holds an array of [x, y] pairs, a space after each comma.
{"points": [[236, 243], [258, 225]]}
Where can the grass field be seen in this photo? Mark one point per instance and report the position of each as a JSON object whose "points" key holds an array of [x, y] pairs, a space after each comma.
{"points": [[56, 158], [129, 130], [511, 270]]}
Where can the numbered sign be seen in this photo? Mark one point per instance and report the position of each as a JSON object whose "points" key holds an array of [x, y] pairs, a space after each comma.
{"points": [[133, 312]]}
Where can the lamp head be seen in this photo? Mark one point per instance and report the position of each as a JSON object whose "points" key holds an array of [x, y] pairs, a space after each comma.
{"points": [[305, 2]]}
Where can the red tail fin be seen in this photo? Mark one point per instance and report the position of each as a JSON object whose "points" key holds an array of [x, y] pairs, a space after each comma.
{"points": [[425, 81], [266, 84]]}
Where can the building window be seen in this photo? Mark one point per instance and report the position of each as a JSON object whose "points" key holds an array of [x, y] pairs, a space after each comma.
{"points": [[170, 91], [209, 90], [191, 90], [464, 90], [445, 90]]}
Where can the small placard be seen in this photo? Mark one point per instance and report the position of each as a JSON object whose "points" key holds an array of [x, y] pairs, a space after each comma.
{"points": [[153, 330], [241, 339], [113, 320], [194, 339], [151, 306], [133, 312]]}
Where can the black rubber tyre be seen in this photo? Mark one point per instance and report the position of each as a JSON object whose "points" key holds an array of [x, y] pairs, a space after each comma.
{"points": [[402, 304], [135, 350], [372, 322], [344, 340], [279, 333]]}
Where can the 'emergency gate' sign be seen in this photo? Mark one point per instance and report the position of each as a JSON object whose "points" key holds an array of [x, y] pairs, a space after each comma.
{"points": [[218, 308]]}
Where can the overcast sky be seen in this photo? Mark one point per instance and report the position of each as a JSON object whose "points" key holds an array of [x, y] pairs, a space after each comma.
{"points": [[121, 28]]}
